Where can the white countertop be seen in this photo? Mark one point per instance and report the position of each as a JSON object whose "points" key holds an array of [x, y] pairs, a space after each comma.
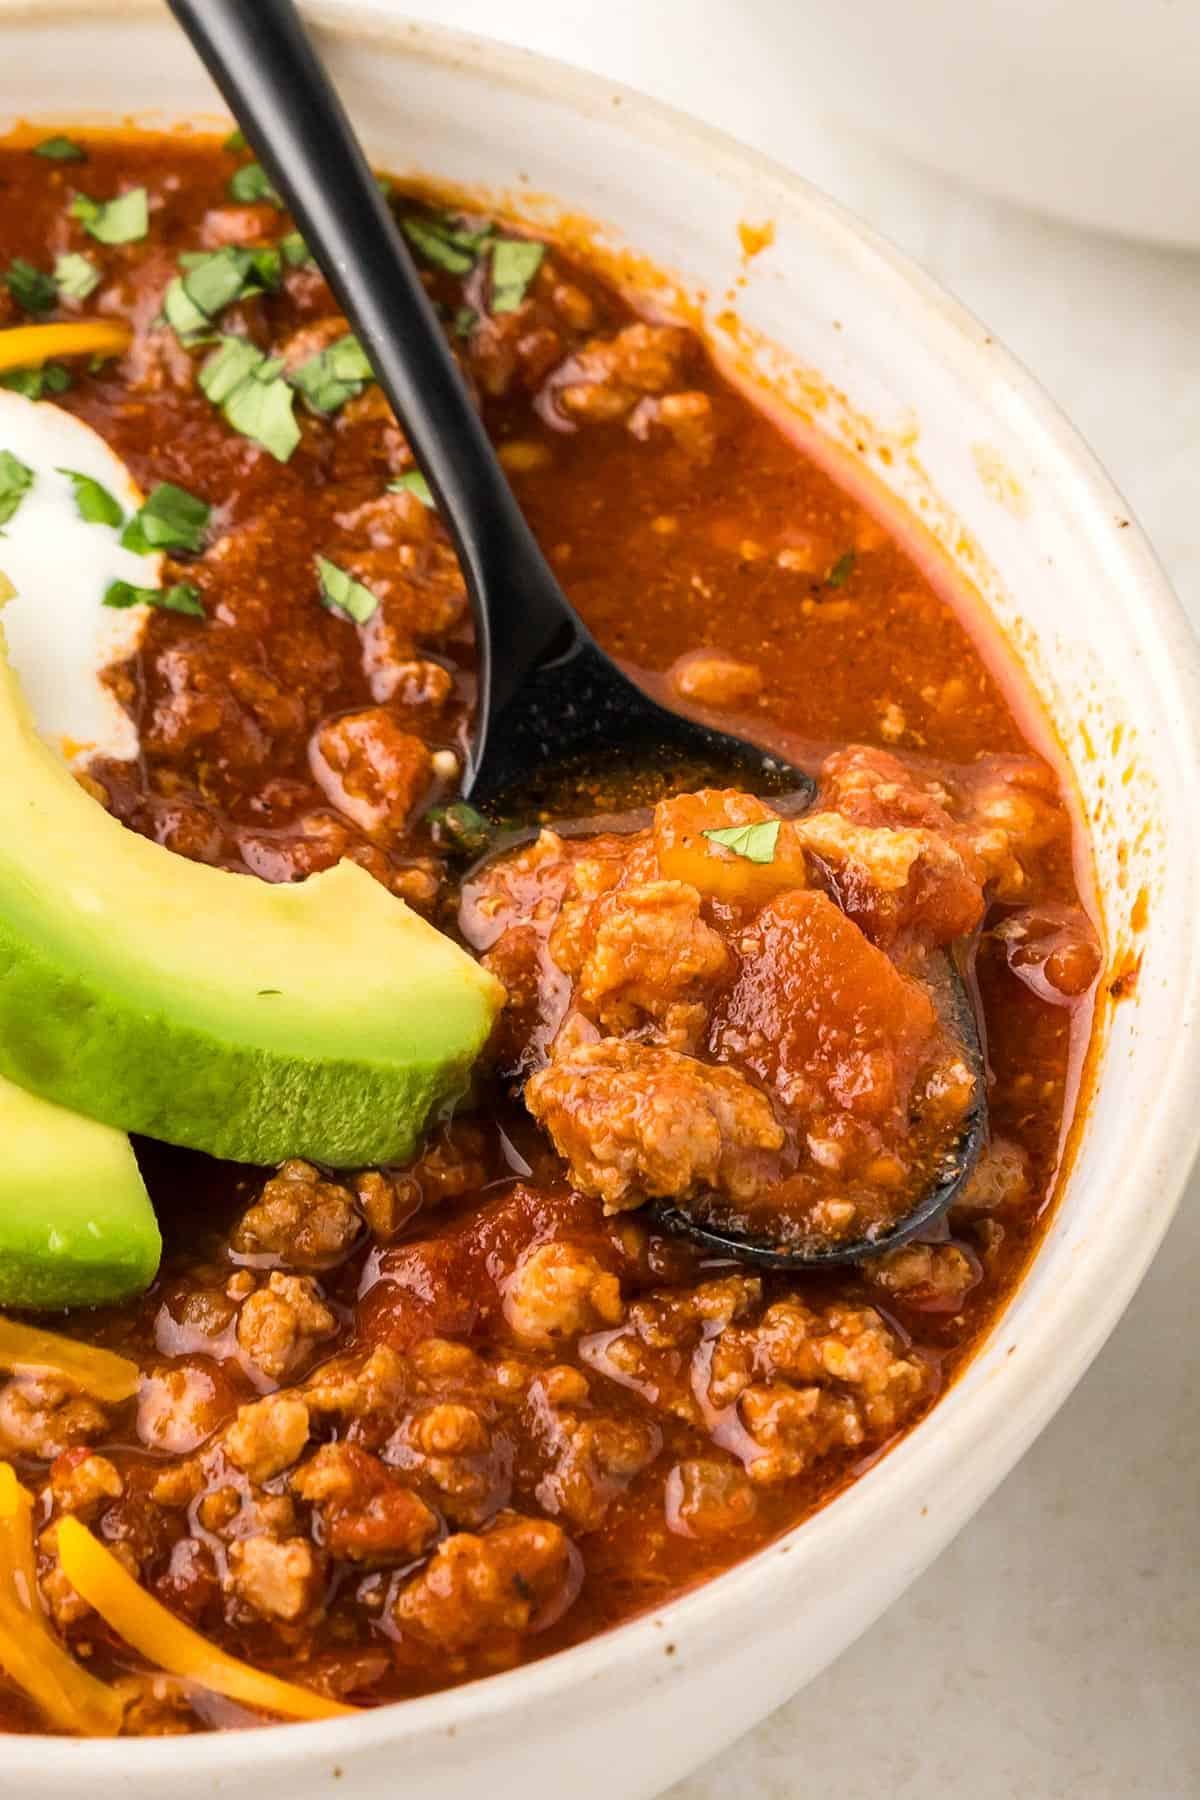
{"points": [[1052, 1652]]}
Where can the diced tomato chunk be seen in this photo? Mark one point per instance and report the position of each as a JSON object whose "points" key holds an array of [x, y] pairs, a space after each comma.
{"points": [[822, 1016], [719, 872]]}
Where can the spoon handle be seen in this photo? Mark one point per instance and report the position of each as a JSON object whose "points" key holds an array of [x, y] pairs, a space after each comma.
{"points": [[260, 57]]}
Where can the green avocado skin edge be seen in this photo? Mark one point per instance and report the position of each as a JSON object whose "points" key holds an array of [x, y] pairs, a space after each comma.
{"points": [[76, 1224], [323, 1019]]}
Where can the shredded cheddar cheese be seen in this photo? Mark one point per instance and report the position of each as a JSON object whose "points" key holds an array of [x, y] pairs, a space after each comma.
{"points": [[18, 1579], [24, 346], [101, 1373], [166, 1641], [30, 1655]]}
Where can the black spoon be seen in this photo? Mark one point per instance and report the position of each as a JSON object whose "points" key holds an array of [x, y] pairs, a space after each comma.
{"points": [[551, 705]]}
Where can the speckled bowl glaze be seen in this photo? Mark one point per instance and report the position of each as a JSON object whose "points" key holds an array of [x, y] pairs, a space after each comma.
{"points": [[869, 361]]}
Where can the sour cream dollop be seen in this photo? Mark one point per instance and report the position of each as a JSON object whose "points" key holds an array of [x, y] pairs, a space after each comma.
{"points": [[60, 634]]}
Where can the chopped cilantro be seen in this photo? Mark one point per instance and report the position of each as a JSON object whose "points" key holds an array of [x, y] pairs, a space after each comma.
{"points": [[436, 246], [257, 266], [182, 314], [340, 593], [170, 519], [515, 262], [443, 240], [251, 183], [214, 277], [294, 251], [463, 237], [251, 392], [76, 276], [120, 221], [60, 149], [261, 409], [464, 322], [180, 598], [412, 483], [334, 375], [384, 184], [267, 264], [93, 501], [16, 479], [467, 829], [235, 141], [212, 280], [230, 366], [32, 290], [755, 842], [35, 383], [839, 573]]}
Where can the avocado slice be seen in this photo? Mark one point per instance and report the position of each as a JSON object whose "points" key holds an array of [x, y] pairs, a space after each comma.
{"points": [[323, 1020], [76, 1224]]}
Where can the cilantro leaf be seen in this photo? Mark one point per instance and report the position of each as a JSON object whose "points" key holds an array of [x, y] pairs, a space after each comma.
{"points": [[170, 519], [60, 149], [76, 276], [251, 183], [120, 221], [334, 375], [340, 593], [32, 290], [252, 394], [261, 409], [93, 501], [16, 479], [294, 251], [436, 246], [36, 382], [755, 842], [266, 265], [212, 280], [181, 312], [464, 322], [180, 598], [215, 277], [230, 366], [235, 141], [840, 572], [515, 262], [466, 827], [463, 237], [412, 483]]}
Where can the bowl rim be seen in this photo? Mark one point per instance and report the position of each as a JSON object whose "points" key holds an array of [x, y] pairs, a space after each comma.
{"points": [[1010, 1407]]}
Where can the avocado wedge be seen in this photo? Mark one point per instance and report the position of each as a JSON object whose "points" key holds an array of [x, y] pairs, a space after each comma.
{"points": [[323, 1020], [76, 1224]]}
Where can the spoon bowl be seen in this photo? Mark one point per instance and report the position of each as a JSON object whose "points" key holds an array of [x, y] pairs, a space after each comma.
{"points": [[577, 727]]}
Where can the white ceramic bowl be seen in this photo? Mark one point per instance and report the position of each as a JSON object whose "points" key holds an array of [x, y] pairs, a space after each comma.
{"points": [[885, 365]]}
